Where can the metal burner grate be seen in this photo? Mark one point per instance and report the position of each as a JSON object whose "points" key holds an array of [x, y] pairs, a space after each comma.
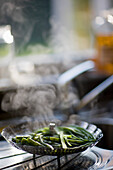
{"points": [[12, 158]]}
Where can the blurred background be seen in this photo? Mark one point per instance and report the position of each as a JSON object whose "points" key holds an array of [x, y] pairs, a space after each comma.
{"points": [[40, 39], [48, 27]]}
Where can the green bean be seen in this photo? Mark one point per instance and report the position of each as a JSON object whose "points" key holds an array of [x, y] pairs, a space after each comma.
{"points": [[24, 141], [46, 144], [64, 137], [24, 136], [88, 134], [55, 139], [15, 140], [44, 130], [33, 142], [76, 141], [83, 145], [83, 131], [57, 145], [69, 130], [62, 140], [68, 143]]}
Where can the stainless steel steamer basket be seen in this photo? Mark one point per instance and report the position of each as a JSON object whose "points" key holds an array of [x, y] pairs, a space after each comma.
{"points": [[25, 128]]}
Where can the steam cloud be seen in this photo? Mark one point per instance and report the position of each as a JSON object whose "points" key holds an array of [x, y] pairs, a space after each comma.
{"points": [[38, 101], [32, 101]]}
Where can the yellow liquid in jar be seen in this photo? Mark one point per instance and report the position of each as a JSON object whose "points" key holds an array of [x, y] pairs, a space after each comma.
{"points": [[104, 56]]}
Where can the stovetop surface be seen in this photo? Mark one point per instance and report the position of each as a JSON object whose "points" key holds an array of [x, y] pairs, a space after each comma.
{"points": [[94, 158]]}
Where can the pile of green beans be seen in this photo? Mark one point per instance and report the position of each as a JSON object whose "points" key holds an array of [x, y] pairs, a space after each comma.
{"points": [[61, 137]]}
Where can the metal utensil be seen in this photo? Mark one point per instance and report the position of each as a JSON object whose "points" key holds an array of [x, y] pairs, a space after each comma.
{"points": [[74, 72], [95, 92]]}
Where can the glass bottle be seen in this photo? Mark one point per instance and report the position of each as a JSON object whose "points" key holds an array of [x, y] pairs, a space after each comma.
{"points": [[104, 42]]}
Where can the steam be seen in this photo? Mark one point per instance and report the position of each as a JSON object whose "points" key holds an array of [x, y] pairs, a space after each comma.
{"points": [[62, 39], [39, 102], [40, 99], [31, 101]]}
